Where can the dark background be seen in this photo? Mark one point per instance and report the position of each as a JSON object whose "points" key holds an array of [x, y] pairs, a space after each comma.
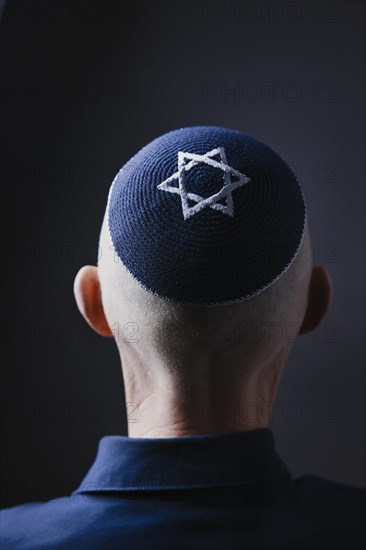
{"points": [[84, 85]]}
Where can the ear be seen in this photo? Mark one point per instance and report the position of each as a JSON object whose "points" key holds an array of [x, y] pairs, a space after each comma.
{"points": [[319, 299], [88, 297]]}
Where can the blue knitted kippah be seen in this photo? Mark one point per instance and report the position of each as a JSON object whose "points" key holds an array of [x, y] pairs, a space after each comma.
{"points": [[206, 216]]}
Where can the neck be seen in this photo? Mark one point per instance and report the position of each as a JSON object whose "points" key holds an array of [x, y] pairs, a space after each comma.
{"points": [[200, 400]]}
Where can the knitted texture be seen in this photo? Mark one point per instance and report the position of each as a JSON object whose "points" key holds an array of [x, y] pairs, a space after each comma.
{"points": [[206, 216]]}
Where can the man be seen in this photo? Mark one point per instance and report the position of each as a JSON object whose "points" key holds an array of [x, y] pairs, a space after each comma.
{"points": [[205, 259]]}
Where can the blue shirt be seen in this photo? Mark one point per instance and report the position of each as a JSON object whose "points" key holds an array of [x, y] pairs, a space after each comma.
{"points": [[217, 491]]}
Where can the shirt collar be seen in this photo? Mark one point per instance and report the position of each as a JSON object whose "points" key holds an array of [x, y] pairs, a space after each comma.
{"points": [[138, 464]]}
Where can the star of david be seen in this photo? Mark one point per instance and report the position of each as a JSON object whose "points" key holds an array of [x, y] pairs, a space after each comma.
{"points": [[186, 161]]}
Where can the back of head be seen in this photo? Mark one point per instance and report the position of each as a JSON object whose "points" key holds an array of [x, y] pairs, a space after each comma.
{"points": [[205, 248]]}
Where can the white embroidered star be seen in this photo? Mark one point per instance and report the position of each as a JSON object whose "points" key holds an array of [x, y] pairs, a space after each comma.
{"points": [[186, 161]]}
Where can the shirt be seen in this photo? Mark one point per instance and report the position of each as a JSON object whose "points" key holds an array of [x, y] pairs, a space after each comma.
{"points": [[216, 491]]}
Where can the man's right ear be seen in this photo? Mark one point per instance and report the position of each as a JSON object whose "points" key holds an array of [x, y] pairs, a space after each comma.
{"points": [[319, 299], [88, 297]]}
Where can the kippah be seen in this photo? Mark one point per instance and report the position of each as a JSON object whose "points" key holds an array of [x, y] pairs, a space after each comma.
{"points": [[206, 216]]}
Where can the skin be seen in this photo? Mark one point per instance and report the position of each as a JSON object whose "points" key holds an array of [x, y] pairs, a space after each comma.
{"points": [[180, 386]]}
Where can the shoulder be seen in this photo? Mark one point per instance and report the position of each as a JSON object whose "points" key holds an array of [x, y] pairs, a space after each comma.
{"points": [[315, 512], [44, 524], [318, 490], [329, 511]]}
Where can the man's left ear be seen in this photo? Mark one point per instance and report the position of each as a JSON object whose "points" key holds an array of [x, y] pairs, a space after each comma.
{"points": [[88, 297]]}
